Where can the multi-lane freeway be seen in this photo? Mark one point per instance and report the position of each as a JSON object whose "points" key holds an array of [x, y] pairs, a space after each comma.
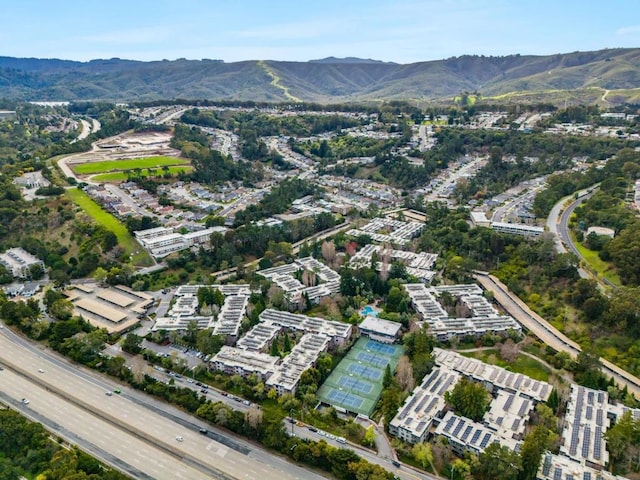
{"points": [[130, 431]]}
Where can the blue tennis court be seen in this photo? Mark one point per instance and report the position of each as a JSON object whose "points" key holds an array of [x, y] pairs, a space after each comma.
{"points": [[344, 398], [354, 384], [381, 347], [364, 371], [372, 359]]}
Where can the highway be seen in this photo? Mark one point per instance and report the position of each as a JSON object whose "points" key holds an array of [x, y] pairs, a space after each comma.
{"points": [[131, 432], [548, 333]]}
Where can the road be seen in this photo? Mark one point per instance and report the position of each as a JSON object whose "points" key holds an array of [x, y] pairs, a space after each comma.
{"points": [[548, 333], [130, 431], [404, 472], [564, 235]]}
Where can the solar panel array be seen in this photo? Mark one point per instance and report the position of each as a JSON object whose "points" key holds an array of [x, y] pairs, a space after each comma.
{"points": [[597, 443], [586, 441]]}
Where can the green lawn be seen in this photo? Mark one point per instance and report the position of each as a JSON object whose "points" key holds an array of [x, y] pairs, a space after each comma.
{"points": [[602, 268], [123, 175], [126, 164], [523, 364], [111, 223]]}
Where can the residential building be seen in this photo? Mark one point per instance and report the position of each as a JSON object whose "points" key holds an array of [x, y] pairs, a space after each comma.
{"points": [[19, 262]]}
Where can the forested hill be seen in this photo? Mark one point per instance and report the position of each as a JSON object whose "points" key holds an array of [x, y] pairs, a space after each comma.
{"points": [[327, 80]]}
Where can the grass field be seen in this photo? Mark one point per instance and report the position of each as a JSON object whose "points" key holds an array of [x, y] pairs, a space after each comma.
{"points": [[111, 223], [602, 268], [523, 364], [123, 175], [126, 164]]}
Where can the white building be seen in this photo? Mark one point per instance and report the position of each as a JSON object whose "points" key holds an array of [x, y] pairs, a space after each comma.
{"points": [[419, 265], [381, 330], [18, 261], [161, 241], [484, 318], [426, 403], [517, 229], [318, 335], [586, 422], [385, 230], [325, 281], [493, 377]]}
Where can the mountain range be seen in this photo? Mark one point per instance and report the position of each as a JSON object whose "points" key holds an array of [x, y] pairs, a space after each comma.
{"points": [[604, 76]]}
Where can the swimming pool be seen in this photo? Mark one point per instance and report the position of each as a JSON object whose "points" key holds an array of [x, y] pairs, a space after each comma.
{"points": [[369, 311]]}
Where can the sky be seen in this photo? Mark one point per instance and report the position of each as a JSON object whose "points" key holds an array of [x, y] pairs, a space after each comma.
{"points": [[402, 31]]}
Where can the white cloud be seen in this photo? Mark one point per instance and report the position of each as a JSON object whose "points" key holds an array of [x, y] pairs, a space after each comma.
{"points": [[631, 30]]}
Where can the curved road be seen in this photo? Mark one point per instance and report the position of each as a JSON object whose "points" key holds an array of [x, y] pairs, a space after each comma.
{"points": [[548, 333]]}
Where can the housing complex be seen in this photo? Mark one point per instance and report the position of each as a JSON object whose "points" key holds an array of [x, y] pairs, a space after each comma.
{"points": [[419, 265], [385, 230], [185, 310], [482, 315], [161, 241], [321, 281], [425, 412], [248, 356]]}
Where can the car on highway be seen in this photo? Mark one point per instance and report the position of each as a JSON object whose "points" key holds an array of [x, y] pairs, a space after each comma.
{"points": [[180, 438], [25, 401], [204, 431], [313, 429], [108, 394], [117, 390], [40, 370], [395, 463]]}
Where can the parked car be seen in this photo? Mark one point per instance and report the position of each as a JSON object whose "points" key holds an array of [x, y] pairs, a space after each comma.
{"points": [[179, 438]]}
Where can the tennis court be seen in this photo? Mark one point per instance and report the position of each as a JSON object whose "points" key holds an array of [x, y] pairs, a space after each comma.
{"points": [[375, 360], [356, 383]]}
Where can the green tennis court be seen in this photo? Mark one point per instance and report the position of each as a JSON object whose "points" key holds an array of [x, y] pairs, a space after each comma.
{"points": [[356, 383]]}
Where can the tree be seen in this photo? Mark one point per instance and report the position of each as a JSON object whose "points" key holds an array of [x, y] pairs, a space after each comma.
{"points": [[422, 453], [131, 343], [404, 374], [468, 399], [387, 380], [497, 462], [369, 439], [535, 443]]}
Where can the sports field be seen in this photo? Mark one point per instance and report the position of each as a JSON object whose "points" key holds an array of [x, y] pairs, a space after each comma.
{"points": [[124, 175], [126, 164], [356, 383]]}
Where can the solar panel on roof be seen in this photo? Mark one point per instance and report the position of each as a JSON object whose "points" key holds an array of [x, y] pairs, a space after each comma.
{"points": [[474, 439], [466, 433], [508, 403], [485, 440], [546, 466], [589, 413], [523, 408], [599, 417], [586, 442], [421, 425], [597, 443], [449, 424], [515, 425], [557, 474], [458, 427]]}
